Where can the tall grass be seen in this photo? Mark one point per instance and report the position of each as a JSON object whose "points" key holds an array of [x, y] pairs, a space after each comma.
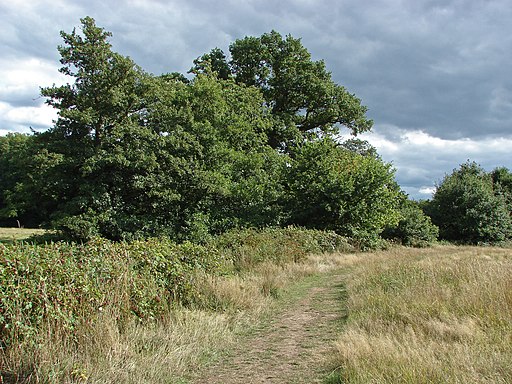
{"points": [[148, 311], [442, 315]]}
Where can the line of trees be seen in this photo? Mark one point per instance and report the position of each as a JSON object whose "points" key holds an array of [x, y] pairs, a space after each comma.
{"points": [[247, 139], [244, 142]]}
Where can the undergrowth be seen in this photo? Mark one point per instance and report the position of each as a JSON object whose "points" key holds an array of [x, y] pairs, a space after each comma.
{"points": [[66, 309]]}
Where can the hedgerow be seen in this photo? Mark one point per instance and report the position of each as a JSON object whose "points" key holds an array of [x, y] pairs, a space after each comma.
{"points": [[66, 285], [245, 248], [69, 284]]}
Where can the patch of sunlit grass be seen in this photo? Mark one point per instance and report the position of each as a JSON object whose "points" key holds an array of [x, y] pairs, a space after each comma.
{"points": [[12, 234], [440, 315]]}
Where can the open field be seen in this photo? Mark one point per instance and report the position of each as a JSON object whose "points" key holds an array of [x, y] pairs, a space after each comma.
{"points": [[439, 315], [11, 234], [436, 315]]}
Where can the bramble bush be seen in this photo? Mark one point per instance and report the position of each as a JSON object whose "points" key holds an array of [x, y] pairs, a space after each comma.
{"points": [[66, 285], [69, 284], [248, 247]]}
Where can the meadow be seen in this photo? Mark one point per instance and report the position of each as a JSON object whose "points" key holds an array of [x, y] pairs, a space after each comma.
{"points": [[16, 234], [118, 313], [437, 315]]}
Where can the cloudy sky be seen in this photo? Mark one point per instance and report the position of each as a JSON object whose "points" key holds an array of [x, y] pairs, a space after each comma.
{"points": [[435, 74]]}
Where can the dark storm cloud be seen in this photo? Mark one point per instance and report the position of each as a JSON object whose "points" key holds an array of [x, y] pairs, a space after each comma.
{"points": [[426, 65], [434, 74]]}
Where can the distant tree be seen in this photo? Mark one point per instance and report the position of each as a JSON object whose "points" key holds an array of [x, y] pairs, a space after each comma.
{"points": [[142, 155], [329, 187], [23, 165], [299, 92], [14, 152], [101, 107], [466, 207], [361, 147], [414, 229]]}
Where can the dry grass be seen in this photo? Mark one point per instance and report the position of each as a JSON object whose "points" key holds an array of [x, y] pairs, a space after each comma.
{"points": [[12, 234], [173, 346], [158, 353], [440, 315]]}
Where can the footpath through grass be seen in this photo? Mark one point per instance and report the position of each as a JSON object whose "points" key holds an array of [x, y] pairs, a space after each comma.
{"points": [[291, 343], [436, 315]]}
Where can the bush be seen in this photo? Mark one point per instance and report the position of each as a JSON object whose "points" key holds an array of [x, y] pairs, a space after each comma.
{"points": [[66, 286], [467, 208], [69, 284], [415, 229], [245, 248]]}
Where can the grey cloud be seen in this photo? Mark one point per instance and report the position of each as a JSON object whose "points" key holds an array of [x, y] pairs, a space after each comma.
{"points": [[440, 66], [426, 67], [25, 98]]}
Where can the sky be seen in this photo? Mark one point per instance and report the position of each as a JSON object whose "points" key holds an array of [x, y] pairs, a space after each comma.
{"points": [[436, 75]]}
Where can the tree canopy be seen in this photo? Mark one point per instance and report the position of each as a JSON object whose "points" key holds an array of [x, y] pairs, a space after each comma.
{"points": [[248, 141], [298, 91], [471, 205]]}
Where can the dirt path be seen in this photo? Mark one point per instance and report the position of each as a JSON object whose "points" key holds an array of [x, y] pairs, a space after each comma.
{"points": [[294, 347]]}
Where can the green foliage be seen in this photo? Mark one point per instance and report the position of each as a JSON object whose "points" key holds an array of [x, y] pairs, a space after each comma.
{"points": [[22, 165], [150, 156], [248, 247], [502, 182], [299, 92], [331, 188], [468, 207], [245, 143], [361, 147], [68, 284], [415, 229], [106, 92]]}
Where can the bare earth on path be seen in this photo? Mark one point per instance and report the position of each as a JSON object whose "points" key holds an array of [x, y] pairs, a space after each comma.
{"points": [[292, 348]]}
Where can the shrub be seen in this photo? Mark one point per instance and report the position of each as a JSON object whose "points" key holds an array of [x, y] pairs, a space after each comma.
{"points": [[415, 229], [467, 208], [245, 248], [69, 284]]}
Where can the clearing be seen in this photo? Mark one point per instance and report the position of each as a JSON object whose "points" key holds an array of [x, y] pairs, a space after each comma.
{"points": [[14, 234]]}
